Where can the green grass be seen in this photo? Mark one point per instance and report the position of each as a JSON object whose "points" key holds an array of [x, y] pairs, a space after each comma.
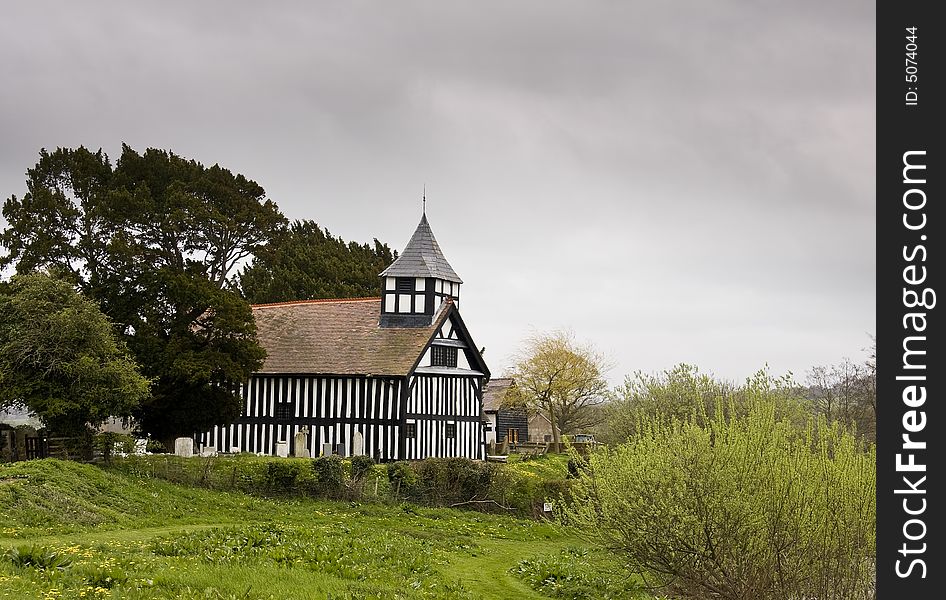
{"points": [[131, 538]]}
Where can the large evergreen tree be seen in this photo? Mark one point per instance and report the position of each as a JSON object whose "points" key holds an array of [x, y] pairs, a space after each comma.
{"points": [[304, 262], [154, 240]]}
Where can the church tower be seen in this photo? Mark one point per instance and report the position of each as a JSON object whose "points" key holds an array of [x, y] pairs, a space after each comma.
{"points": [[418, 282]]}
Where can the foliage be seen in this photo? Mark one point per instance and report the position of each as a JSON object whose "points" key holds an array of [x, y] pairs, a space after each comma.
{"points": [[683, 392], [60, 357], [361, 466], [305, 262], [37, 557], [739, 506], [154, 240], [847, 392], [577, 574], [329, 476], [108, 443], [445, 481], [561, 378], [154, 540], [282, 476]]}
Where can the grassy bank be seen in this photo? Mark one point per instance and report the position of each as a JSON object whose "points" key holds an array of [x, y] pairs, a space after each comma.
{"points": [[75, 531]]}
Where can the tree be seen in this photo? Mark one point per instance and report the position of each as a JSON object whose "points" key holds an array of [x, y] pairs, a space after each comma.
{"points": [[846, 392], [155, 240], [61, 358], [562, 379], [305, 262], [683, 392], [742, 506]]}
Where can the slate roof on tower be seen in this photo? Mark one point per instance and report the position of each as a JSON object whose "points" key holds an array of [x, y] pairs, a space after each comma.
{"points": [[422, 257]]}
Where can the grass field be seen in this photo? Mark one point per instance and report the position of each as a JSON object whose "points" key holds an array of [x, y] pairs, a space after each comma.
{"points": [[75, 531]]}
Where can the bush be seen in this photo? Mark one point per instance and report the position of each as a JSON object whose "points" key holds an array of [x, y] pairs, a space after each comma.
{"points": [[281, 475], [361, 466], [329, 476], [444, 481], [741, 507], [110, 443], [156, 447]]}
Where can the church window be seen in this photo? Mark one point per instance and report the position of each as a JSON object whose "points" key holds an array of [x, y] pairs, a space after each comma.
{"points": [[450, 431], [284, 410], [443, 356]]}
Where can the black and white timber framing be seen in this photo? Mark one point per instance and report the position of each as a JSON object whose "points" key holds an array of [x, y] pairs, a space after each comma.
{"points": [[401, 371]]}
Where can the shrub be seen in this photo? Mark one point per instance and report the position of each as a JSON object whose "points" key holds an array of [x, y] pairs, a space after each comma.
{"points": [[281, 475], [329, 476], [156, 447], [361, 466], [110, 443], [744, 507], [402, 477], [442, 481]]}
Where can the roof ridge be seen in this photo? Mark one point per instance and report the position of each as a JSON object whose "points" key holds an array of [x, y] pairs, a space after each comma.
{"points": [[317, 301]]}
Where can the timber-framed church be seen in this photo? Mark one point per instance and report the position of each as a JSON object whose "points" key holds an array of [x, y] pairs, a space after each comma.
{"points": [[395, 378]]}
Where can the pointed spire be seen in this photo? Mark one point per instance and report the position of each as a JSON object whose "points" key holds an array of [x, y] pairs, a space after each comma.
{"points": [[422, 257]]}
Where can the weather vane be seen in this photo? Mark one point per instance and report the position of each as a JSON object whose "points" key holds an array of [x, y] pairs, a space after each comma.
{"points": [[424, 199]]}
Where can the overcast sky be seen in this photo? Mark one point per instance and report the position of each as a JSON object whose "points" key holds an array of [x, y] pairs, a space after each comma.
{"points": [[674, 181]]}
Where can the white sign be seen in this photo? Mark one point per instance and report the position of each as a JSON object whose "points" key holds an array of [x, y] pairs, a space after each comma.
{"points": [[547, 507]]}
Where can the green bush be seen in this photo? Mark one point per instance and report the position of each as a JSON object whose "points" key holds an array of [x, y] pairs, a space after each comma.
{"points": [[402, 477], [329, 476], [281, 475], [445, 481], [110, 443], [738, 507], [361, 466]]}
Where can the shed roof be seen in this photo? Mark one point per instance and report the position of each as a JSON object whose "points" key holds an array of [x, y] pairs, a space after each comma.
{"points": [[495, 393], [422, 257], [339, 337]]}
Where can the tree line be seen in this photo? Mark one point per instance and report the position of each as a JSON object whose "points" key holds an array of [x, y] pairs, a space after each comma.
{"points": [[172, 253]]}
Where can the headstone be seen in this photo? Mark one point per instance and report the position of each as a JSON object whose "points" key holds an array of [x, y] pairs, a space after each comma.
{"points": [[234, 449], [357, 444], [300, 447], [141, 447], [342, 450], [282, 449], [327, 449], [208, 451], [184, 446]]}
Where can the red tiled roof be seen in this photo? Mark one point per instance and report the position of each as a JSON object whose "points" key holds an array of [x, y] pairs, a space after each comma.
{"points": [[338, 336]]}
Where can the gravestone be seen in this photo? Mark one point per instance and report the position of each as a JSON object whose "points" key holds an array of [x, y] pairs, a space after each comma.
{"points": [[300, 448], [208, 451], [342, 450], [184, 446], [327, 449], [282, 449], [357, 444], [234, 449], [141, 447]]}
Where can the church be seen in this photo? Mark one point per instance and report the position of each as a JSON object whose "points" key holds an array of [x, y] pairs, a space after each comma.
{"points": [[395, 378]]}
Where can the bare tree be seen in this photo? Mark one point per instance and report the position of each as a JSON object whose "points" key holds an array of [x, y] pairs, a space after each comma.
{"points": [[847, 392]]}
